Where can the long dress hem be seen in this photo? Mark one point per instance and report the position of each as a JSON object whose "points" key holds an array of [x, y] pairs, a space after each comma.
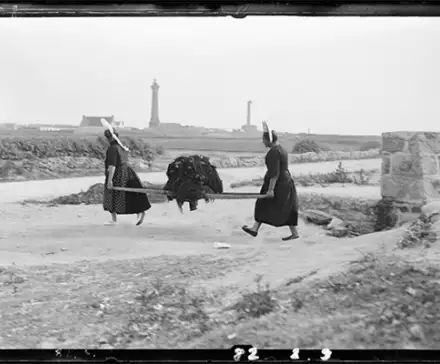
{"points": [[282, 209]]}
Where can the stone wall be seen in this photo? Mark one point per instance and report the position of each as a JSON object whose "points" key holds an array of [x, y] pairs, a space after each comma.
{"points": [[410, 167]]}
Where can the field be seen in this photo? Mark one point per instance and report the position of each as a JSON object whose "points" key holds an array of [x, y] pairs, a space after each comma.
{"points": [[26, 155], [205, 141], [166, 283]]}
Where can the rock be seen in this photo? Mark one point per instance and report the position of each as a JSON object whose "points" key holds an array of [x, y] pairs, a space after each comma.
{"points": [[430, 210], [336, 223], [317, 217], [339, 232], [218, 245], [411, 291], [417, 332], [359, 213]]}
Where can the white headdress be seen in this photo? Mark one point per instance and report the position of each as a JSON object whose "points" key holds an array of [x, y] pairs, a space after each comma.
{"points": [[267, 130], [107, 125]]}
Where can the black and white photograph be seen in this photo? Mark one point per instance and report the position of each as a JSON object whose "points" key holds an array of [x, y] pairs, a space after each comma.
{"points": [[205, 182]]}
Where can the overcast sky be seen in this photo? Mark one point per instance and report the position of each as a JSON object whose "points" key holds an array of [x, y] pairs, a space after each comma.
{"points": [[332, 75]]}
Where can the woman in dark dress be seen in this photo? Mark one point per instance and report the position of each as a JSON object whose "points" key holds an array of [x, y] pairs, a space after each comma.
{"points": [[279, 206], [119, 174]]}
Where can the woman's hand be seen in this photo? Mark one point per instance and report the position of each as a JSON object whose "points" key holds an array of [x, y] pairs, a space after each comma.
{"points": [[270, 194], [110, 184]]}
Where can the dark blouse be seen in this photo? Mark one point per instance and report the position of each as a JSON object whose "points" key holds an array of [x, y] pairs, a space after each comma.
{"points": [[115, 156], [277, 163]]}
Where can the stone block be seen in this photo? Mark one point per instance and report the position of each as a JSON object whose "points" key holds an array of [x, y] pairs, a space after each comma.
{"points": [[403, 164], [386, 163], [429, 142], [390, 187], [430, 164], [430, 188], [393, 142]]}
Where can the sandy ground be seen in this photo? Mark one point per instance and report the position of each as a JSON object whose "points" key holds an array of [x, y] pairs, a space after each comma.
{"points": [[33, 235]]}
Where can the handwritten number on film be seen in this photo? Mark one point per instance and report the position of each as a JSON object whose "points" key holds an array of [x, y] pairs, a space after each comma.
{"points": [[295, 354], [327, 353], [239, 352], [253, 356]]}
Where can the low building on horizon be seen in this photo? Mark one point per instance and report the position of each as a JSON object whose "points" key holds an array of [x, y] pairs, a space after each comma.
{"points": [[249, 128], [93, 125], [9, 126]]}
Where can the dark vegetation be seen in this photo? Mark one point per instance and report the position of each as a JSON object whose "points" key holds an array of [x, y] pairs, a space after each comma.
{"points": [[18, 148], [185, 139], [310, 145]]}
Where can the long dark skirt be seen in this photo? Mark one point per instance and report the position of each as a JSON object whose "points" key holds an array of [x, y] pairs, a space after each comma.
{"points": [[125, 203], [282, 210]]}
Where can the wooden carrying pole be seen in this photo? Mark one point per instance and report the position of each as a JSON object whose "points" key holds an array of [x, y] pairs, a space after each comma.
{"points": [[217, 196]]}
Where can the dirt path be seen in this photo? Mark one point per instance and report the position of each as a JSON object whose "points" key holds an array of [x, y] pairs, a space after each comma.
{"points": [[17, 191], [34, 235]]}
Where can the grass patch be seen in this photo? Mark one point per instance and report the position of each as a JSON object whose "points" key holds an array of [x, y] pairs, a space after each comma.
{"points": [[379, 303], [113, 303], [339, 175], [163, 309]]}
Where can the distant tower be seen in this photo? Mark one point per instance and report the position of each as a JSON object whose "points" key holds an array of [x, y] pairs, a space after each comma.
{"points": [[154, 121], [249, 113], [248, 127]]}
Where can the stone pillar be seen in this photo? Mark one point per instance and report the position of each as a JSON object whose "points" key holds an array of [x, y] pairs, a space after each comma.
{"points": [[410, 166], [249, 103], [410, 172], [154, 121]]}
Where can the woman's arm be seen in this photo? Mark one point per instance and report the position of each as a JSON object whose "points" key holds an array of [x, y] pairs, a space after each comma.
{"points": [[111, 172], [273, 170], [112, 160], [272, 184]]}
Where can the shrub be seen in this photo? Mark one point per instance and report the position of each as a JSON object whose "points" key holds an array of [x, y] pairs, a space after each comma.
{"points": [[159, 150], [306, 146], [312, 157], [257, 303], [19, 148], [372, 144], [418, 233]]}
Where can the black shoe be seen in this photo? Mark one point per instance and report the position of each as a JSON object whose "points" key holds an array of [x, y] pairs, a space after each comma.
{"points": [[249, 231]]}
